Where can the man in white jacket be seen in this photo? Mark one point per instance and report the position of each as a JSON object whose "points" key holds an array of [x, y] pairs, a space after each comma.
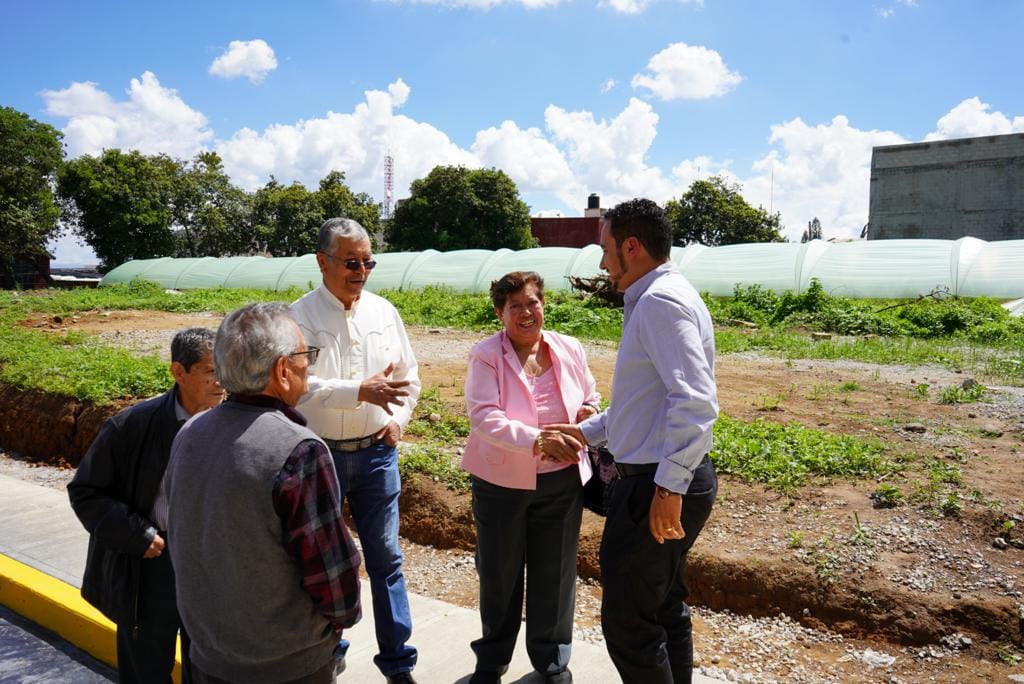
{"points": [[362, 391]]}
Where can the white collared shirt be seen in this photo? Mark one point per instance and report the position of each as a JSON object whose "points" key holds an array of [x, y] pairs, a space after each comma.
{"points": [[354, 344]]}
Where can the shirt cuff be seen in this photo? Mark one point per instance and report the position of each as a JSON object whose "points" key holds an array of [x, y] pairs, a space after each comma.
{"points": [[673, 477], [594, 430]]}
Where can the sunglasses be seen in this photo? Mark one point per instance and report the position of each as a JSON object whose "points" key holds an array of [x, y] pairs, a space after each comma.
{"points": [[353, 264], [312, 352]]}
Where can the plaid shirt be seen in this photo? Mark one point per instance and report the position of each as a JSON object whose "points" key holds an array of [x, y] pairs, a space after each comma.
{"points": [[307, 498]]}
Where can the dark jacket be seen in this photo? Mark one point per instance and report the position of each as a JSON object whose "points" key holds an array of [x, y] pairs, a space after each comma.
{"points": [[112, 494]]}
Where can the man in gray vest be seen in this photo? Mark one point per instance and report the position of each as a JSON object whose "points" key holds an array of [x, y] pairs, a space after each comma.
{"points": [[267, 574]]}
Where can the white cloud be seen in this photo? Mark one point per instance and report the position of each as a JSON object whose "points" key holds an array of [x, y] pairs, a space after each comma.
{"points": [[70, 251], [690, 72], [821, 171], [972, 118], [608, 157], [638, 6], [153, 119], [608, 85], [353, 142], [532, 161], [807, 169], [253, 59], [887, 12]]}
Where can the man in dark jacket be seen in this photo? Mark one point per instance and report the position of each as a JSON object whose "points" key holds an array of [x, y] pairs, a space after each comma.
{"points": [[128, 574]]}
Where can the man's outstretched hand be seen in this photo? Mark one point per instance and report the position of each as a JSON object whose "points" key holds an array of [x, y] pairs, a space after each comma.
{"points": [[379, 390]]}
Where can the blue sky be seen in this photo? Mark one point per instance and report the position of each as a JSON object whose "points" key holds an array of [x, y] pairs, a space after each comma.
{"points": [[619, 97]]}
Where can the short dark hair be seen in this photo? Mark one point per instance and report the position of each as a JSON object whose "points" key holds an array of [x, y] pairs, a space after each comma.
{"points": [[644, 220], [190, 345], [513, 282]]}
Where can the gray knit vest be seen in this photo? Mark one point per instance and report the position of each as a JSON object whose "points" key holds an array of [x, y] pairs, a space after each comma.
{"points": [[239, 591]]}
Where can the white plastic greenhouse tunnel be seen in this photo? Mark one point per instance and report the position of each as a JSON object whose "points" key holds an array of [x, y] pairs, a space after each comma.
{"points": [[967, 267]]}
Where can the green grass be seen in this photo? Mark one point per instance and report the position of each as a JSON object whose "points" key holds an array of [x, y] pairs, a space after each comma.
{"points": [[437, 429], [434, 419], [1003, 362], [433, 460], [958, 394], [78, 365], [786, 456], [975, 335], [563, 312]]}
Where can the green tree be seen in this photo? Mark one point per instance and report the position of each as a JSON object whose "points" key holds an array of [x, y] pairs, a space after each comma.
{"points": [[30, 156], [285, 219], [212, 217], [458, 208], [813, 231], [336, 199], [121, 204], [713, 212]]}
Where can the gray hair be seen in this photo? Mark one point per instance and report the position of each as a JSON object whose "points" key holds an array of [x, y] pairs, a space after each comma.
{"points": [[249, 343], [191, 345], [336, 228]]}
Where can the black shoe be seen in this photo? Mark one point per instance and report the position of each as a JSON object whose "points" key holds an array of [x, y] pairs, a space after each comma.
{"points": [[563, 677], [401, 678], [488, 676]]}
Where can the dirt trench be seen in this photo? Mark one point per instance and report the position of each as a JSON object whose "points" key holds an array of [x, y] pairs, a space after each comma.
{"points": [[57, 431], [874, 608]]}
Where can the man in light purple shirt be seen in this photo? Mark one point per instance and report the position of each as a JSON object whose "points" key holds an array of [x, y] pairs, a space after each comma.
{"points": [[658, 426]]}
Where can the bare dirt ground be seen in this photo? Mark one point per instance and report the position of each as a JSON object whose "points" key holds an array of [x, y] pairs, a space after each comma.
{"points": [[792, 587]]}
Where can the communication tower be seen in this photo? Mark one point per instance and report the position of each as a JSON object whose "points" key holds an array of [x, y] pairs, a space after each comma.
{"points": [[389, 183]]}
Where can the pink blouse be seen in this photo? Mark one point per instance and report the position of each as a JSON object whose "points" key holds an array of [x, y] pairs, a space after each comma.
{"points": [[550, 410]]}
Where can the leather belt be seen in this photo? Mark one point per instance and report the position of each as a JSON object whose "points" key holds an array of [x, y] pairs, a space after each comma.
{"points": [[633, 469], [357, 444]]}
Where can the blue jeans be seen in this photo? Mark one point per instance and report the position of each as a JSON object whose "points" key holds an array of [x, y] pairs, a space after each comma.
{"points": [[369, 479]]}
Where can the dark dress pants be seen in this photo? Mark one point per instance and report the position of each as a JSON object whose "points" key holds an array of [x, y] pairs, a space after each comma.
{"points": [[644, 615], [536, 531], [147, 655]]}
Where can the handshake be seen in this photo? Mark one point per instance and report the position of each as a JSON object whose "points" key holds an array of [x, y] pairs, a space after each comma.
{"points": [[562, 442]]}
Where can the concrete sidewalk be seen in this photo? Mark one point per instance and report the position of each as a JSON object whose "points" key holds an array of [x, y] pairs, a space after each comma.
{"points": [[45, 548]]}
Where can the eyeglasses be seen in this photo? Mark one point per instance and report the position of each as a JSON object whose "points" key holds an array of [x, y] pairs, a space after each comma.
{"points": [[353, 264], [311, 352]]}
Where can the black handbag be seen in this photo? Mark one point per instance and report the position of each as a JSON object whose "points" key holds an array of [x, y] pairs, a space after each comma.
{"points": [[598, 490]]}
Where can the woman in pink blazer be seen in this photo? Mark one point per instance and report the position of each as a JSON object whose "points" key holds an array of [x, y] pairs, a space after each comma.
{"points": [[527, 481]]}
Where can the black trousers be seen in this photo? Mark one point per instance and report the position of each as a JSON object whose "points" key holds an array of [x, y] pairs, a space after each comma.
{"points": [[146, 655], [644, 615], [536, 531]]}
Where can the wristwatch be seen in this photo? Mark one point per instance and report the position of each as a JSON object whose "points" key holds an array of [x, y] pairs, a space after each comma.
{"points": [[665, 493]]}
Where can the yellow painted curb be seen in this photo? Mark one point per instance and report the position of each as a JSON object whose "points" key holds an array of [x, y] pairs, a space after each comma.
{"points": [[60, 608]]}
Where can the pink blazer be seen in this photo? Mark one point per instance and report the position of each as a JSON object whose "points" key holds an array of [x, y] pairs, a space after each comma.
{"points": [[503, 415]]}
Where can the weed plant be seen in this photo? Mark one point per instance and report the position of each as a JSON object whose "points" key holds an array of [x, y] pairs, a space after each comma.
{"points": [[563, 312], [436, 429], [958, 333], [785, 456], [79, 366], [962, 334]]}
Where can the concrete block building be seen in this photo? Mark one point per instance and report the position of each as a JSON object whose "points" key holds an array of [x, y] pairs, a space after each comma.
{"points": [[949, 189]]}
